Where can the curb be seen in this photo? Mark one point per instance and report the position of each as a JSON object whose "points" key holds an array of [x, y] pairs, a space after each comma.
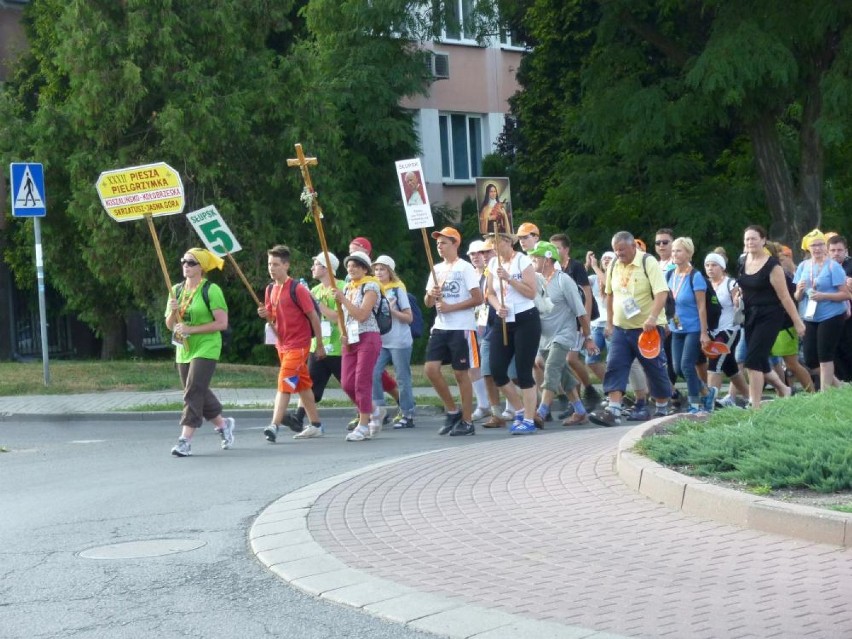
{"points": [[282, 542], [709, 501]]}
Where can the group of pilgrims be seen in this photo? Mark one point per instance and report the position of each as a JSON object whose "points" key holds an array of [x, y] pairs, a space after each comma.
{"points": [[527, 329]]}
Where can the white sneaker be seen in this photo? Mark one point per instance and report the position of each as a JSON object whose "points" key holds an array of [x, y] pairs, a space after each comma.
{"points": [[377, 419], [227, 433], [508, 415], [359, 434], [309, 431], [480, 413]]}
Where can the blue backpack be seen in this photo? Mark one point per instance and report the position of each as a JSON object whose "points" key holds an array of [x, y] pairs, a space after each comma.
{"points": [[416, 325]]}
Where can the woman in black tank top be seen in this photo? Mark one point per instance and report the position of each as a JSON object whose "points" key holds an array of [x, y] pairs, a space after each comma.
{"points": [[764, 290]]}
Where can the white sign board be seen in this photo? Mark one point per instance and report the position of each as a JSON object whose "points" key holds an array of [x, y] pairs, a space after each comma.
{"points": [[215, 234], [414, 196]]}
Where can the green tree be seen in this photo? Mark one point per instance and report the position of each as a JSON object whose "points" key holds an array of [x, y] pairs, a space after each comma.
{"points": [[685, 112], [221, 92]]}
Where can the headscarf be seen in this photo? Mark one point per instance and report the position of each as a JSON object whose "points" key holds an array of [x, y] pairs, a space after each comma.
{"points": [[816, 234], [716, 259], [206, 259]]}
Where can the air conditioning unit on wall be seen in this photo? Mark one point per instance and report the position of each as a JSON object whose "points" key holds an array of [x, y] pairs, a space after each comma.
{"points": [[439, 65]]}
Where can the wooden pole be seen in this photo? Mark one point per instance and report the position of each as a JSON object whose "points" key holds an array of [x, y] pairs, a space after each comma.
{"points": [[243, 278], [159, 250], [302, 162]]}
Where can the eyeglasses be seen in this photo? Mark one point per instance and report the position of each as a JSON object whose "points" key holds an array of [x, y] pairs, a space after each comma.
{"points": [[188, 263], [662, 242]]}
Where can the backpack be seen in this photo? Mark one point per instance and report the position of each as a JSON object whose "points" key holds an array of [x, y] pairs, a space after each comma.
{"points": [[228, 333], [383, 316], [293, 285], [712, 305], [416, 325]]}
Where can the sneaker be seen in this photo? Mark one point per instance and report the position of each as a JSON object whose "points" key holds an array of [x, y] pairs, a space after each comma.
{"points": [[576, 419], [480, 413], [375, 426], [605, 418], [404, 422], [709, 399], [463, 428], [398, 417], [450, 421], [508, 415], [639, 415], [378, 418], [727, 402], [494, 422], [227, 433], [353, 423], [387, 418], [308, 431], [696, 410], [271, 433], [182, 448], [292, 422], [523, 427], [591, 397], [359, 434]]}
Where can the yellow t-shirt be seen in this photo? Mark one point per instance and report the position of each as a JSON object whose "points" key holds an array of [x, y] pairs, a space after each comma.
{"points": [[631, 280]]}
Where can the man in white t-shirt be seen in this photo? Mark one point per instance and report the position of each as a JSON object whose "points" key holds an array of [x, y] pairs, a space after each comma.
{"points": [[452, 340]]}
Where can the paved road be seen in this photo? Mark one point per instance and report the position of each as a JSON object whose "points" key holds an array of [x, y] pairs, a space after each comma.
{"points": [[71, 487]]}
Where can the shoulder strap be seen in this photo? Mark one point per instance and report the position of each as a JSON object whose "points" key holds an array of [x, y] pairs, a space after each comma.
{"points": [[205, 295]]}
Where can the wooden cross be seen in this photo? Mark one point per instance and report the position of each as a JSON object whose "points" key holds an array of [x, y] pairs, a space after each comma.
{"points": [[303, 163]]}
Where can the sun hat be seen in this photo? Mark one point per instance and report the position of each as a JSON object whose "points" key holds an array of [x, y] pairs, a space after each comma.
{"points": [[608, 254], [649, 344], [528, 228], [478, 246], [331, 258], [544, 249], [362, 258], [386, 260], [448, 231]]}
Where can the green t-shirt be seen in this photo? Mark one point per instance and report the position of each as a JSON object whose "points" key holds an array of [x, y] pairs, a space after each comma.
{"points": [[203, 345], [324, 295]]}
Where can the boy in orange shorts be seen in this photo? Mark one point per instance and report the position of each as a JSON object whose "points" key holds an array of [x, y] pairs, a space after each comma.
{"points": [[292, 320]]}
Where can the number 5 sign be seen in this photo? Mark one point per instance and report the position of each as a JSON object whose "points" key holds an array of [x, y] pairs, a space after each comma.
{"points": [[215, 234]]}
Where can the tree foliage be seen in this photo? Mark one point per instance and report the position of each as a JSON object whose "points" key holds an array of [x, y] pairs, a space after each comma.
{"points": [[684, 113], [221, 92]]}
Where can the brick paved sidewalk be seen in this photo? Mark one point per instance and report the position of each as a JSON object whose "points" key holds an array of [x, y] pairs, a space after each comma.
{"points": [[542, 527]]}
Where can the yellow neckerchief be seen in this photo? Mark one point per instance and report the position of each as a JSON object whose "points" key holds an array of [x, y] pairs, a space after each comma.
{"points": [[354, 285], [392, 284]]}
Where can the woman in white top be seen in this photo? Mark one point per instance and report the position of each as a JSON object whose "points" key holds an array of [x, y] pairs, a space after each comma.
{"points": [[728, 331], [511, 287]]}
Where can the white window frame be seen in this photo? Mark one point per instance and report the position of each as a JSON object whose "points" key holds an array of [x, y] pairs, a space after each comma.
{"points": [[474, 156], [462, 38]]}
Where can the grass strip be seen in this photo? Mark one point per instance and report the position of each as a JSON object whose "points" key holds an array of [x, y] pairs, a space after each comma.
{"points": [[801, 442]]}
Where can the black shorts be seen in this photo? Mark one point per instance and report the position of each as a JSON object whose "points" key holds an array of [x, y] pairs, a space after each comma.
{"points": [[456, 347]]}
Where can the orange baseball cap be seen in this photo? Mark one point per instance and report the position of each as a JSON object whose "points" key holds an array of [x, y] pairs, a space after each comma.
{"points": [[528, 228], [448, 231], [649, 344]]}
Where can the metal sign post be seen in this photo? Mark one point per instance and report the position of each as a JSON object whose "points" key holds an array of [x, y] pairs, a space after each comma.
{"points": [[28, 200]]}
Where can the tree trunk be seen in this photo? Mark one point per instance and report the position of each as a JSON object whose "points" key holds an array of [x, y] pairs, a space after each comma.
{"points": [[7, 312], [114, 338]]}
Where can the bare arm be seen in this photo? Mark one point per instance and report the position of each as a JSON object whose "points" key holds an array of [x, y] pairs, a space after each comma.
{"points": [[779, 283]]}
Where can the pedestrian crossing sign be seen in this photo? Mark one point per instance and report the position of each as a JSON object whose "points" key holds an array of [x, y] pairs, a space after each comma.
{"points": [[28, 190]]}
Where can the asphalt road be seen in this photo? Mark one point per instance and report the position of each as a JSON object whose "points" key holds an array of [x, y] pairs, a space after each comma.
{"points": [[69, 489]]}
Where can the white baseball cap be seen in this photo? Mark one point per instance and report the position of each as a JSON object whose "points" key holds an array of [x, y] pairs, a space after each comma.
{"points": [[478, 246]]}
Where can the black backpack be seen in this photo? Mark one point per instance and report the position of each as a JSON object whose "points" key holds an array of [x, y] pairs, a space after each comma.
{"points": [[383, 316], [293, 285], [227, 334], [712, 305]]}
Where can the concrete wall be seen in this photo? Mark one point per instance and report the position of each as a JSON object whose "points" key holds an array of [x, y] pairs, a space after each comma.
{"points": [[12, 41]]}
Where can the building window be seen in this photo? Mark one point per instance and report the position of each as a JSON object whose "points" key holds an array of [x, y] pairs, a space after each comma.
{"points": [[461, 145], [459, 21]]}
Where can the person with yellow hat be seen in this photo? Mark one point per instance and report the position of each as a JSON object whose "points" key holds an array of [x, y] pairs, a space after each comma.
{"points": [[821, 282], [197, 314]]}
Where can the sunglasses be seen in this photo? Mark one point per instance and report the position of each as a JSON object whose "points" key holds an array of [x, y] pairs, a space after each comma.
{"points": [[526, 237], [188, 263], [662, 242]]}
